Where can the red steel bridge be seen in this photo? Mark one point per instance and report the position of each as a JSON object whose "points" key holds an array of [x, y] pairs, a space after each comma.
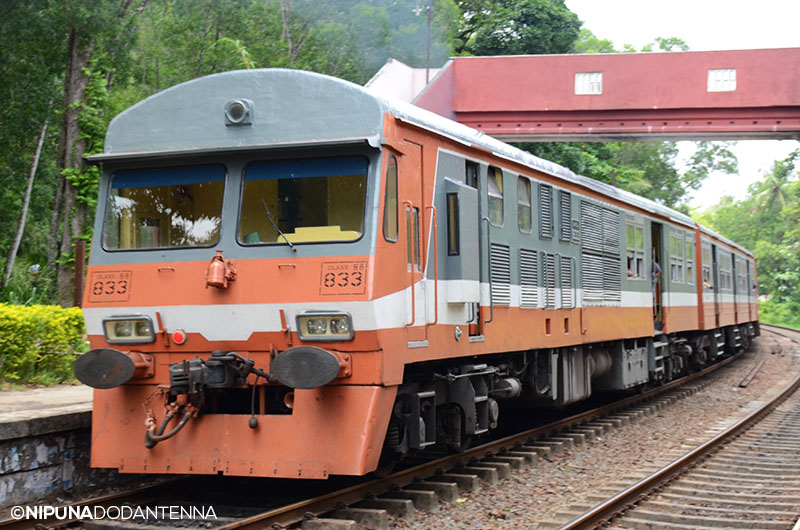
{"points": [[736, 95]]}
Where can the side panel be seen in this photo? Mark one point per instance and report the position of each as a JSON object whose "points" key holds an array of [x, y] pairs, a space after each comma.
{"points": [[680, 305], [725, 293], [743, 290]]}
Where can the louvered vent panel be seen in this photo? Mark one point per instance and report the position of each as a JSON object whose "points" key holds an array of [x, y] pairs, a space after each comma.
{"points": [[500, 269], [591, 227], [612, 279], [528, 278], [549, 277], [565, 198], [567, 283], [545, 210], [611, 233], [592, 277]]}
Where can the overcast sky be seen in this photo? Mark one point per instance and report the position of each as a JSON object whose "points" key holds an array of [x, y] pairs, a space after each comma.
{"points": [[705, 25]]}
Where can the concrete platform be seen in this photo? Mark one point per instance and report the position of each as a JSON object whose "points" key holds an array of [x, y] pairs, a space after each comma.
{"points": [[38, 402], [44, 444], [44, 410]]}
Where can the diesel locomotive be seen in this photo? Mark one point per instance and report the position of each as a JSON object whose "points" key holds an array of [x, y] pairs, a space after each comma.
{"points": [[291, 276]]}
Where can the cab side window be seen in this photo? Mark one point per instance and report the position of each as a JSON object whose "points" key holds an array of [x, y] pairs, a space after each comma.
{"points": [[390, 201]]}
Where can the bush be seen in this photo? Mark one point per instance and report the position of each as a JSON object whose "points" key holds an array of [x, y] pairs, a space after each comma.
{"points": [[784, 313], [39, 343]]}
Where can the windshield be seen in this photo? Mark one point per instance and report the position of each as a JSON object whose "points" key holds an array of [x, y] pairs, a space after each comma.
{"points": [[162, 208], [310, 200]]}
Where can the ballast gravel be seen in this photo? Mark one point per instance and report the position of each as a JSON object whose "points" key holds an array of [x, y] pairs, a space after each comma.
{"points": [[537, 494]]}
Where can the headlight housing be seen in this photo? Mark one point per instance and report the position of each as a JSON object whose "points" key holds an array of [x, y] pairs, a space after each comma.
{"points": [[325, 326], [128, 329]]}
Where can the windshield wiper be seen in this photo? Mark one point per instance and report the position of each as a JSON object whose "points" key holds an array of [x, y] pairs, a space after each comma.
{"points": [[275, 226]]}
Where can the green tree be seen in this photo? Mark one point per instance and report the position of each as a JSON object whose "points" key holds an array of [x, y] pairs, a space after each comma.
{"points": [[517, 27], [588, 43], [31, 66]]}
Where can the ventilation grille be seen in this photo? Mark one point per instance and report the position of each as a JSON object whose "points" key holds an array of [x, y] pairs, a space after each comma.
{"points": [[500, 270], [565, 200], [528, 278], [601, 271], [592, 227], [612, 280], [545, 211], [549, 276], [567, 283], [592, 278], [611, 232]]}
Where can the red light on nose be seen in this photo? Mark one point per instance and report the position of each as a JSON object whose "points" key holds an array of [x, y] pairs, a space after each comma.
{"points": [[179, 336]]}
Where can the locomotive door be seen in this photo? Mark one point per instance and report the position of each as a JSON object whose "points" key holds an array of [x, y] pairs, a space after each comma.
{"points": [[735, 287], [715, 270], [749, 291], [657, 275], [410, 186]]}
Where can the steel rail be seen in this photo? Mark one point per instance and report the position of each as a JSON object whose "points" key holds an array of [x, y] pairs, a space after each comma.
{"points": [[793, 334], [605, 511], [750, 376], [295, 513]]}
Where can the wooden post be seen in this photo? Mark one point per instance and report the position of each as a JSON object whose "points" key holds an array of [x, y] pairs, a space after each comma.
{"points": [[80, 252]]}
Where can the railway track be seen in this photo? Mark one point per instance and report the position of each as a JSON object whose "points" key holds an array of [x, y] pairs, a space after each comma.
{"points": [[371, 502], [747, 476]]}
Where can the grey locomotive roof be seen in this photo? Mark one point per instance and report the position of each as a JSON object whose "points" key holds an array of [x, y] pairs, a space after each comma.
{"points": [[314, 108]]}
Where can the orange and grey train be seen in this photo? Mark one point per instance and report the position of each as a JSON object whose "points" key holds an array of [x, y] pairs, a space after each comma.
{"points": [[292, 277]]}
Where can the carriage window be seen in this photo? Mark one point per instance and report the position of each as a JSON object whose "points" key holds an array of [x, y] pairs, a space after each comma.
{"points": [[390, 201], [412, 238], [309, 200], [495, 196], [524, 220], [676, 256], [453, 240], [635, 250], [706, 258], [163, 208], [471, 174]]}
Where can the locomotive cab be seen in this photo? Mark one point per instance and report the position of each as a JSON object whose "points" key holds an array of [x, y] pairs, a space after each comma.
{"points": [[229, 281]]}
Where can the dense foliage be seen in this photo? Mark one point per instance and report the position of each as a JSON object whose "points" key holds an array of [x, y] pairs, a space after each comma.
{"points": [[39, 343]]}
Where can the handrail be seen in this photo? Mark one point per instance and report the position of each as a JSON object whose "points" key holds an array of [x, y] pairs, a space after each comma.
{"points": [[489, 268], [435, 220], [410, 259]]}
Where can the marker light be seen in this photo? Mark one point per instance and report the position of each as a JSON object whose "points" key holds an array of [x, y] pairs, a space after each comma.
{"points": [[325, 326], [128, 329], [179, 336]]}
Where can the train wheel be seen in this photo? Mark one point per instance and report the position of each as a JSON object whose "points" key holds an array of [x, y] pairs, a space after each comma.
{"points": [[386, 464]]}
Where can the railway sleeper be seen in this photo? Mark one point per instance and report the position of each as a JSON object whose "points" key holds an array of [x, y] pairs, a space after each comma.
{"points": [[649, 519], [687, 508]]}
